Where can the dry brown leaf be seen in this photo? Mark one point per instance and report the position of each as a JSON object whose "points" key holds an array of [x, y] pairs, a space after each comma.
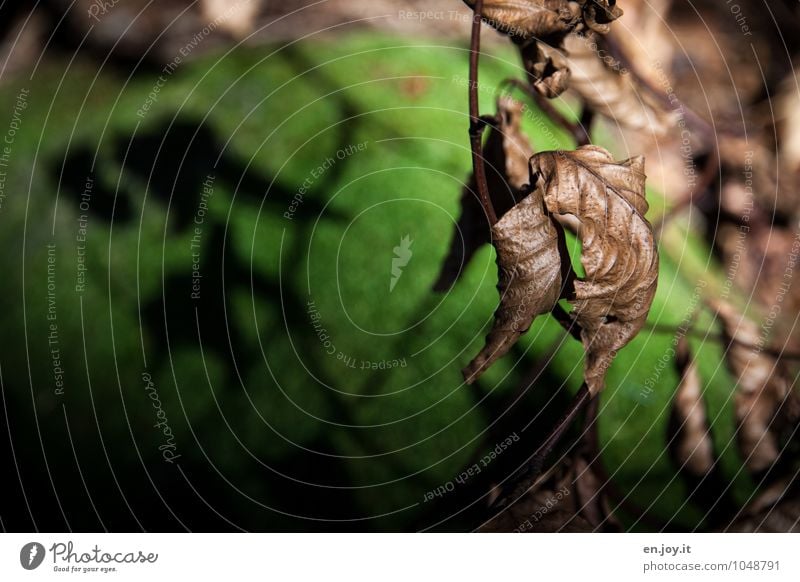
{"points": [[690, 439], [765, 402], [529, 277], [619, 253], [646, 38], [619, 256], [538, 26], [598, 14], [506, 152], [523, 20], [606, 89], [550, 20], [547, 76]]}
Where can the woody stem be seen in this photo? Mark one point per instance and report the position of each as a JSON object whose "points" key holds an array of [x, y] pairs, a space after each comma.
{"points": [[527, 475], [477, 125]]}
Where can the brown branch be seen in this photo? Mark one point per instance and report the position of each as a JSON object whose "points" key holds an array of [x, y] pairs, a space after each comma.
{"points": [[523, 479], [477, 125], [590, 440], [566, 321]]}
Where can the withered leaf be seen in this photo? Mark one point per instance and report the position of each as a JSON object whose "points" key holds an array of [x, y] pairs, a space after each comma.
{"points": [[506, 153], [606, 89], [540, 26], [619, 253], [527, 19], [765, 404], [690, 440], [547, 20], [529, 277], [548, 72], [598, 14]]}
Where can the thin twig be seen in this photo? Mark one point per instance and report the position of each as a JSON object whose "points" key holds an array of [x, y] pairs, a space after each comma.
{"points": [[566, 321], [592, 455], [578, 131], [477, 125], [521, 481]]}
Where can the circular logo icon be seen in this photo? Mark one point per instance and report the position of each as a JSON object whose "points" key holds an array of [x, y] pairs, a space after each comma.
{"points": [[31, 555]]}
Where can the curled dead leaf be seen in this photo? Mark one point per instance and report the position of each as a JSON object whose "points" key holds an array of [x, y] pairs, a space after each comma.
{"points": [[541, 26], [529, 277], [598, 14], [548, 72], [690, 440], [549, 20], [619, 253], [607, 88], [506, 152], [523, 20], [766, 405], [619, 257]]}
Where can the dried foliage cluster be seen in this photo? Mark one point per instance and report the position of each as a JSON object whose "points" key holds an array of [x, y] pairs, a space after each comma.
{"points": [[524, 202], [538, 196]]}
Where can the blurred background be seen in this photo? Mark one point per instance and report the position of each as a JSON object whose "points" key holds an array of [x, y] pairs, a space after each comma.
{"points": [[221, 223]]}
